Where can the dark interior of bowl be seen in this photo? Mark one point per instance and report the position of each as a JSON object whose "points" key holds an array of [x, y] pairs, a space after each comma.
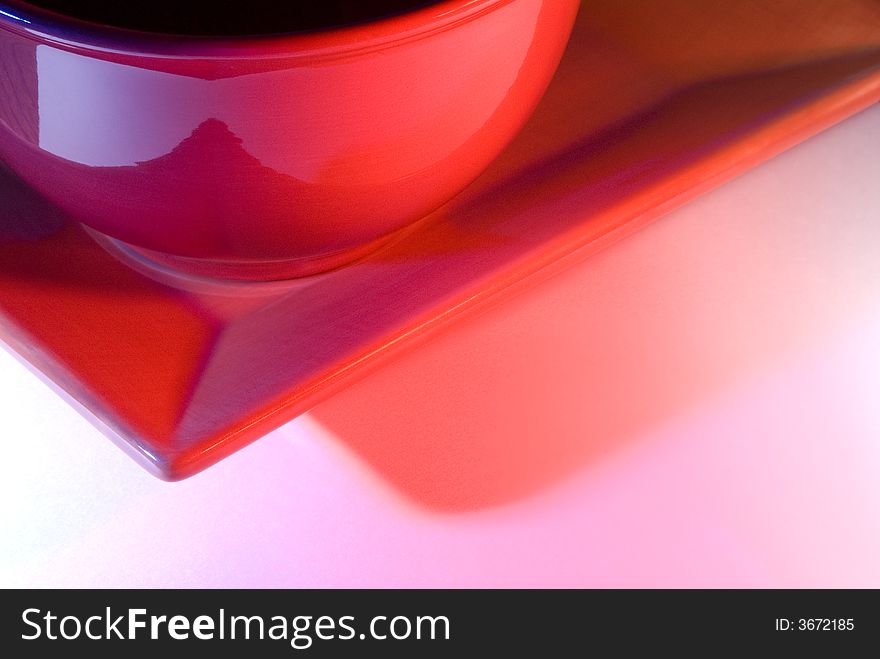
{"points": [[227, 17]]}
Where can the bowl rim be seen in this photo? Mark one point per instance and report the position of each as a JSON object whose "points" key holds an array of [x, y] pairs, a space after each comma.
{"points": [[43, 25]]}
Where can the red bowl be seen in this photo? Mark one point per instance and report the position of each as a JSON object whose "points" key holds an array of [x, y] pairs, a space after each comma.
{"points": [[271, 156]]}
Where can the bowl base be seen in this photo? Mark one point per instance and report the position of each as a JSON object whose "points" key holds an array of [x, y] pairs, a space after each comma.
{"points": [[238, 270]]}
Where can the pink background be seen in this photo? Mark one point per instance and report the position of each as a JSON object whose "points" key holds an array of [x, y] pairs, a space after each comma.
{"points": [[696, 406]]}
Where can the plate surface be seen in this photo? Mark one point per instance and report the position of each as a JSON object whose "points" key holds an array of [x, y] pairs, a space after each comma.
{"points": [[647, 111]]}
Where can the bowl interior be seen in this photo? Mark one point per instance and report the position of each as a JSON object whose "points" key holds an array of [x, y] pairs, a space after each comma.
{"points": [[227, 19]]}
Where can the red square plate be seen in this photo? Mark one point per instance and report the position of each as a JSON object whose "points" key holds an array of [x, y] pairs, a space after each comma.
{"points": [[652, 106]]}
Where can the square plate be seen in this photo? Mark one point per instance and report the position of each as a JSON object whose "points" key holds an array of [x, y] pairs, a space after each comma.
{"points": [[650, 108]]}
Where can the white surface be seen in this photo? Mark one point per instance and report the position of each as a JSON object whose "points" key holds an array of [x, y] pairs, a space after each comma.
{"points": [[770, 477]]}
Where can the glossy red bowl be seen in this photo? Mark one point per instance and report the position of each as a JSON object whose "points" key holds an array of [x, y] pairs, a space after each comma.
{"points": [[272, 156]]}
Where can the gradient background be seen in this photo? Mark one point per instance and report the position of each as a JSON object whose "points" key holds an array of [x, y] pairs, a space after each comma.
{"points": [[695, 406]]}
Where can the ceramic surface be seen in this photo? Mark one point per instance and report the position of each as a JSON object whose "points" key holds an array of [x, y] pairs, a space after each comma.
{"points": [[183, 371], [270, 157]]}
